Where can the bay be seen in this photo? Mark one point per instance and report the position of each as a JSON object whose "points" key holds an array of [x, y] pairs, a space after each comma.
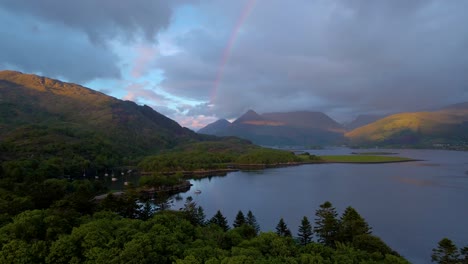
{"points": [[411, 206]]}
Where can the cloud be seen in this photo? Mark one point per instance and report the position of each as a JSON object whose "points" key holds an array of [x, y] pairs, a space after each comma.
{"points": [[337, 56], [138, 91], [194, 122], [49, 49], [101, 20], [141, 64], [78, 40]]}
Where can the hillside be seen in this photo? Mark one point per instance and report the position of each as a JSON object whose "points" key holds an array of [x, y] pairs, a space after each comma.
{"points": [[300, 128], [446, 126], [362, 120], [46, 118]]}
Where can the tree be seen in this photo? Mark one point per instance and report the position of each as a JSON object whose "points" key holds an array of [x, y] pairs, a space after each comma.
{"points": [[220, 220], [252, 221], [240, 219], [445, 253], [200, 216], [305, 231], [282, 229], [326, 224], [351, 225], [464, 253]]}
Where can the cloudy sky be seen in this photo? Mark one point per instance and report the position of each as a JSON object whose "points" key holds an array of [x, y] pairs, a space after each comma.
{"points": [[200, 60]]}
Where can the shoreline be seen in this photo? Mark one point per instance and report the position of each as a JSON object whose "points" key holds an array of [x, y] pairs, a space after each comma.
{"points": [[196, 174]]}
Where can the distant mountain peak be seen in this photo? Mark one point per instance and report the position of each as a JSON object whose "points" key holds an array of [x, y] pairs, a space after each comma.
{"points": [[215, 127], [250, 115]]}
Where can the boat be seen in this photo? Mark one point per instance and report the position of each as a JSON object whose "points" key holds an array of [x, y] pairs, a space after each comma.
{"points": [[197, 192]]}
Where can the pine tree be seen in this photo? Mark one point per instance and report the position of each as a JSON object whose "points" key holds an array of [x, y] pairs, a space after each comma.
{"points": [[445, 253], [326, 224], [219, 220], [200, 216], [351, 225], [305, 231], [252, 221], [240, 219], [464, 253], [282, 229]]}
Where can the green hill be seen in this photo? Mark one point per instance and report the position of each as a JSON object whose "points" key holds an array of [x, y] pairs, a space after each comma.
{"points": [[446, 126], [43, 119]]}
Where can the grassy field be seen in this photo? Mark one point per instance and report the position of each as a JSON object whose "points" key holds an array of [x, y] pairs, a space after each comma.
{"points": [[363, 159], [373, 153]]}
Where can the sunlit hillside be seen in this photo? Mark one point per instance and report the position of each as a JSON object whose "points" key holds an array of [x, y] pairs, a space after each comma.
{"points": [[445, 126]]}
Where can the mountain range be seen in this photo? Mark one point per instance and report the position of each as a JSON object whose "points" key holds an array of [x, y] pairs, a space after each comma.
{"points": [[293, 128], [448, 125], [41, 118]]}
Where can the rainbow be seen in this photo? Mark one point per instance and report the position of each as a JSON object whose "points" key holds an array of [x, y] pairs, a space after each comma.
{"points": [[227, 51]]}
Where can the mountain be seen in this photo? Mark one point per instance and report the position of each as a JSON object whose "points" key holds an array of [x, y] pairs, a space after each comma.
{"points": [[300, 128], [362, 120], [459, 106], [446, 126], [215, 127], [305, 119], [45, 118]]}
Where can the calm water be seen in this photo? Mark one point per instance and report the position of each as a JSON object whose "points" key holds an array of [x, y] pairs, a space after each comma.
{"points": [[411, 206]]}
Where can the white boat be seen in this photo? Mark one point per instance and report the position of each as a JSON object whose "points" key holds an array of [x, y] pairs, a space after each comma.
{"points": [[197, 192]]}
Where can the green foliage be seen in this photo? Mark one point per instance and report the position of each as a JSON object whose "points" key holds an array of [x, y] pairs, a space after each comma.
{"points": [[251, 220], [371, 244], [282, 229], [305, 231], [446, 252], [219, 220], [195, 214], [168, 237], [240, 219], [352, 225], [267, 157], [206, 156], [326, 224], [159, 180], [185, 161]]}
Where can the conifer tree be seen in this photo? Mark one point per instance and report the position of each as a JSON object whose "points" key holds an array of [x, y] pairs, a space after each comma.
{"points": [[282, 229], [240, 219], [326, 224], [252, 221], [445, 253], [200, 216], [305, 231], [219, 220], [351, 225]]}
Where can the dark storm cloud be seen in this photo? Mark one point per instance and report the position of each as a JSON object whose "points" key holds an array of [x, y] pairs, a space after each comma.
{"points": [[31, 46], [101, 19], [73, 39], [334, 56]]}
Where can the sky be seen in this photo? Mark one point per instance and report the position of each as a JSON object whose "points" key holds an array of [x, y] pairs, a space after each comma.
{"points": [[200, 60]]}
